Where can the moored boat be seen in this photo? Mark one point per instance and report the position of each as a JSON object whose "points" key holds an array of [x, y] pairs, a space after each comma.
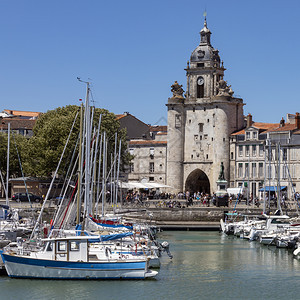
{"points": [[73, 257]]}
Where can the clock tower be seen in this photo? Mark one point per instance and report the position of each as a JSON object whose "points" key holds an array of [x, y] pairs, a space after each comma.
{"points": [[204, 69], [201, 121]]}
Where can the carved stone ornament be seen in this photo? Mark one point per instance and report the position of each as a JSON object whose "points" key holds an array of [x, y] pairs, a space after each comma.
{"points": [[177, 90], [223, 89], [201, 54]]}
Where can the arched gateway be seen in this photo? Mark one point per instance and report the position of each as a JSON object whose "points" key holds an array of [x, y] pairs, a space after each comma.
{"points": [[197, 181]]}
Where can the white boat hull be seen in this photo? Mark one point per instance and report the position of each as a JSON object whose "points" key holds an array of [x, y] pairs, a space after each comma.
{"points": [[23, 267]]}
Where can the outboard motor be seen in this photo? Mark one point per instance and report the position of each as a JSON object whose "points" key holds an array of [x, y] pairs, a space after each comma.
{"points": [[165, 247]]}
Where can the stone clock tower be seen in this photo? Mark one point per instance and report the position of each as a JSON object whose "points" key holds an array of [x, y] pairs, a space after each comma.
{"points": [[201, 121]]}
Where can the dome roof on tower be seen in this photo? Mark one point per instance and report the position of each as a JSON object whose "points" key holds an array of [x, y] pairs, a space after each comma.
{"points": [[202, 52], [205, 51]]}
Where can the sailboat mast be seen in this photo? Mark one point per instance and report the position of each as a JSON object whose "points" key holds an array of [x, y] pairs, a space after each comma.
{"points": [[115, 169], [7, 165], [269, 173], [104, 173], [95, 194], [87, 153], [265, 176], [118, 171], [79, 168], [278, 178]]}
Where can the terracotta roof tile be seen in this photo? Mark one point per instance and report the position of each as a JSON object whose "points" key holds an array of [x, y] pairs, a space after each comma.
{"points": [[286, 127], [147, 142], [263, 127], [118, 117], [23, 113], [159, 128], [17, 123]]}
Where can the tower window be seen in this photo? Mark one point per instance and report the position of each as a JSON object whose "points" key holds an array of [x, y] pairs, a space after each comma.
{"points": [[151, 167], [200, 65], [193, 109], [200, 127], [131, 168], [178, 120], [200, 87], [200, 91]]}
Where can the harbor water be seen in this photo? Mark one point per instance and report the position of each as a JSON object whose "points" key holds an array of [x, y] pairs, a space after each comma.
{"points": [[206, 265]]}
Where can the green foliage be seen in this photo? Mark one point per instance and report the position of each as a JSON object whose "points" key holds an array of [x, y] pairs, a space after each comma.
{"points": [[18, 144], [50, 135]]}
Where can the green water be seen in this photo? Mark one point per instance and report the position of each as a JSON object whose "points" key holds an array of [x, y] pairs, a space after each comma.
{"points": [[206, 265]]}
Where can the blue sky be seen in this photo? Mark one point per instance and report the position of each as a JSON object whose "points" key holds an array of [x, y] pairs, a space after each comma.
{"points": [[132, 52]]}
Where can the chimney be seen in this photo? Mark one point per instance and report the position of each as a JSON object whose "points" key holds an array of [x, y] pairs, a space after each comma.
{"points": [[249, 120], [297, 120], [282, 123]]}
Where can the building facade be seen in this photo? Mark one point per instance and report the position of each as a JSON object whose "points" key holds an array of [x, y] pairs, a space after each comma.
{"points": [[149, 157], [266, 157], [201, 121], [207, 127]]}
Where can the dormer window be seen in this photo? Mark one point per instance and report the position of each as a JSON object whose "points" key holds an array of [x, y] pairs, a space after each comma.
{"points": [[254, 134], [247, 135]]}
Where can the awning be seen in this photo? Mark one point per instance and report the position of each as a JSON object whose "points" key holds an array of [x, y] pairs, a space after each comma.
{"points": [[154, 185], [272, 189], [235, 191], [139, 185]]}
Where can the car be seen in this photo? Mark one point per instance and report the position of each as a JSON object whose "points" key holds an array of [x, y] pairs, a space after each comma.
{"points": [[23, 197]]}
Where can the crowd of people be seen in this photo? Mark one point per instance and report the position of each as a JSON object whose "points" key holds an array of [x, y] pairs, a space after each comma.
{"points": [[203, 199]]}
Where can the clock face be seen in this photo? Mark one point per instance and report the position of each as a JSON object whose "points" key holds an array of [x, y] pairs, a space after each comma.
{"points": [[200, 81]]}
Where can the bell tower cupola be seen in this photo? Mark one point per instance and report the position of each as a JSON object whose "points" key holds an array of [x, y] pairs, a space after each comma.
{"points": [[205, 34], [204, 69]]}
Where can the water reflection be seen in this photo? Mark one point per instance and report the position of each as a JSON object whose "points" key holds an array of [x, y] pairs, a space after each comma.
{"points": [[206, 265]]}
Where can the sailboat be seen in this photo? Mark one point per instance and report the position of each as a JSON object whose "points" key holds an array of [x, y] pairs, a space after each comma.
{"points": [[75, 254]]}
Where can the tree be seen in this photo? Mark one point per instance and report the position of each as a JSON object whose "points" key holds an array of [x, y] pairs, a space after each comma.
{"points": [[50, 134], [18, 144]]}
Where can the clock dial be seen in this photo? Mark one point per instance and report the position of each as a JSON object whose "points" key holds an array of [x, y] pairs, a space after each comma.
{"points": [[200, 81]]}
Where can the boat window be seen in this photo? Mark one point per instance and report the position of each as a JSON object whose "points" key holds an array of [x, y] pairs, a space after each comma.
{"points": [[61, 246], [279, 221], [74, 246], [49, 247]]}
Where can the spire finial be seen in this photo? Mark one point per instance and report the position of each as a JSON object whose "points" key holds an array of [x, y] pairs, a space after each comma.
{"points": [[204, 15]]}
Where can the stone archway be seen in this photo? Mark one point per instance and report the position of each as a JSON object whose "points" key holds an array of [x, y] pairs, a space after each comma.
{"points": [[197, 181]]}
